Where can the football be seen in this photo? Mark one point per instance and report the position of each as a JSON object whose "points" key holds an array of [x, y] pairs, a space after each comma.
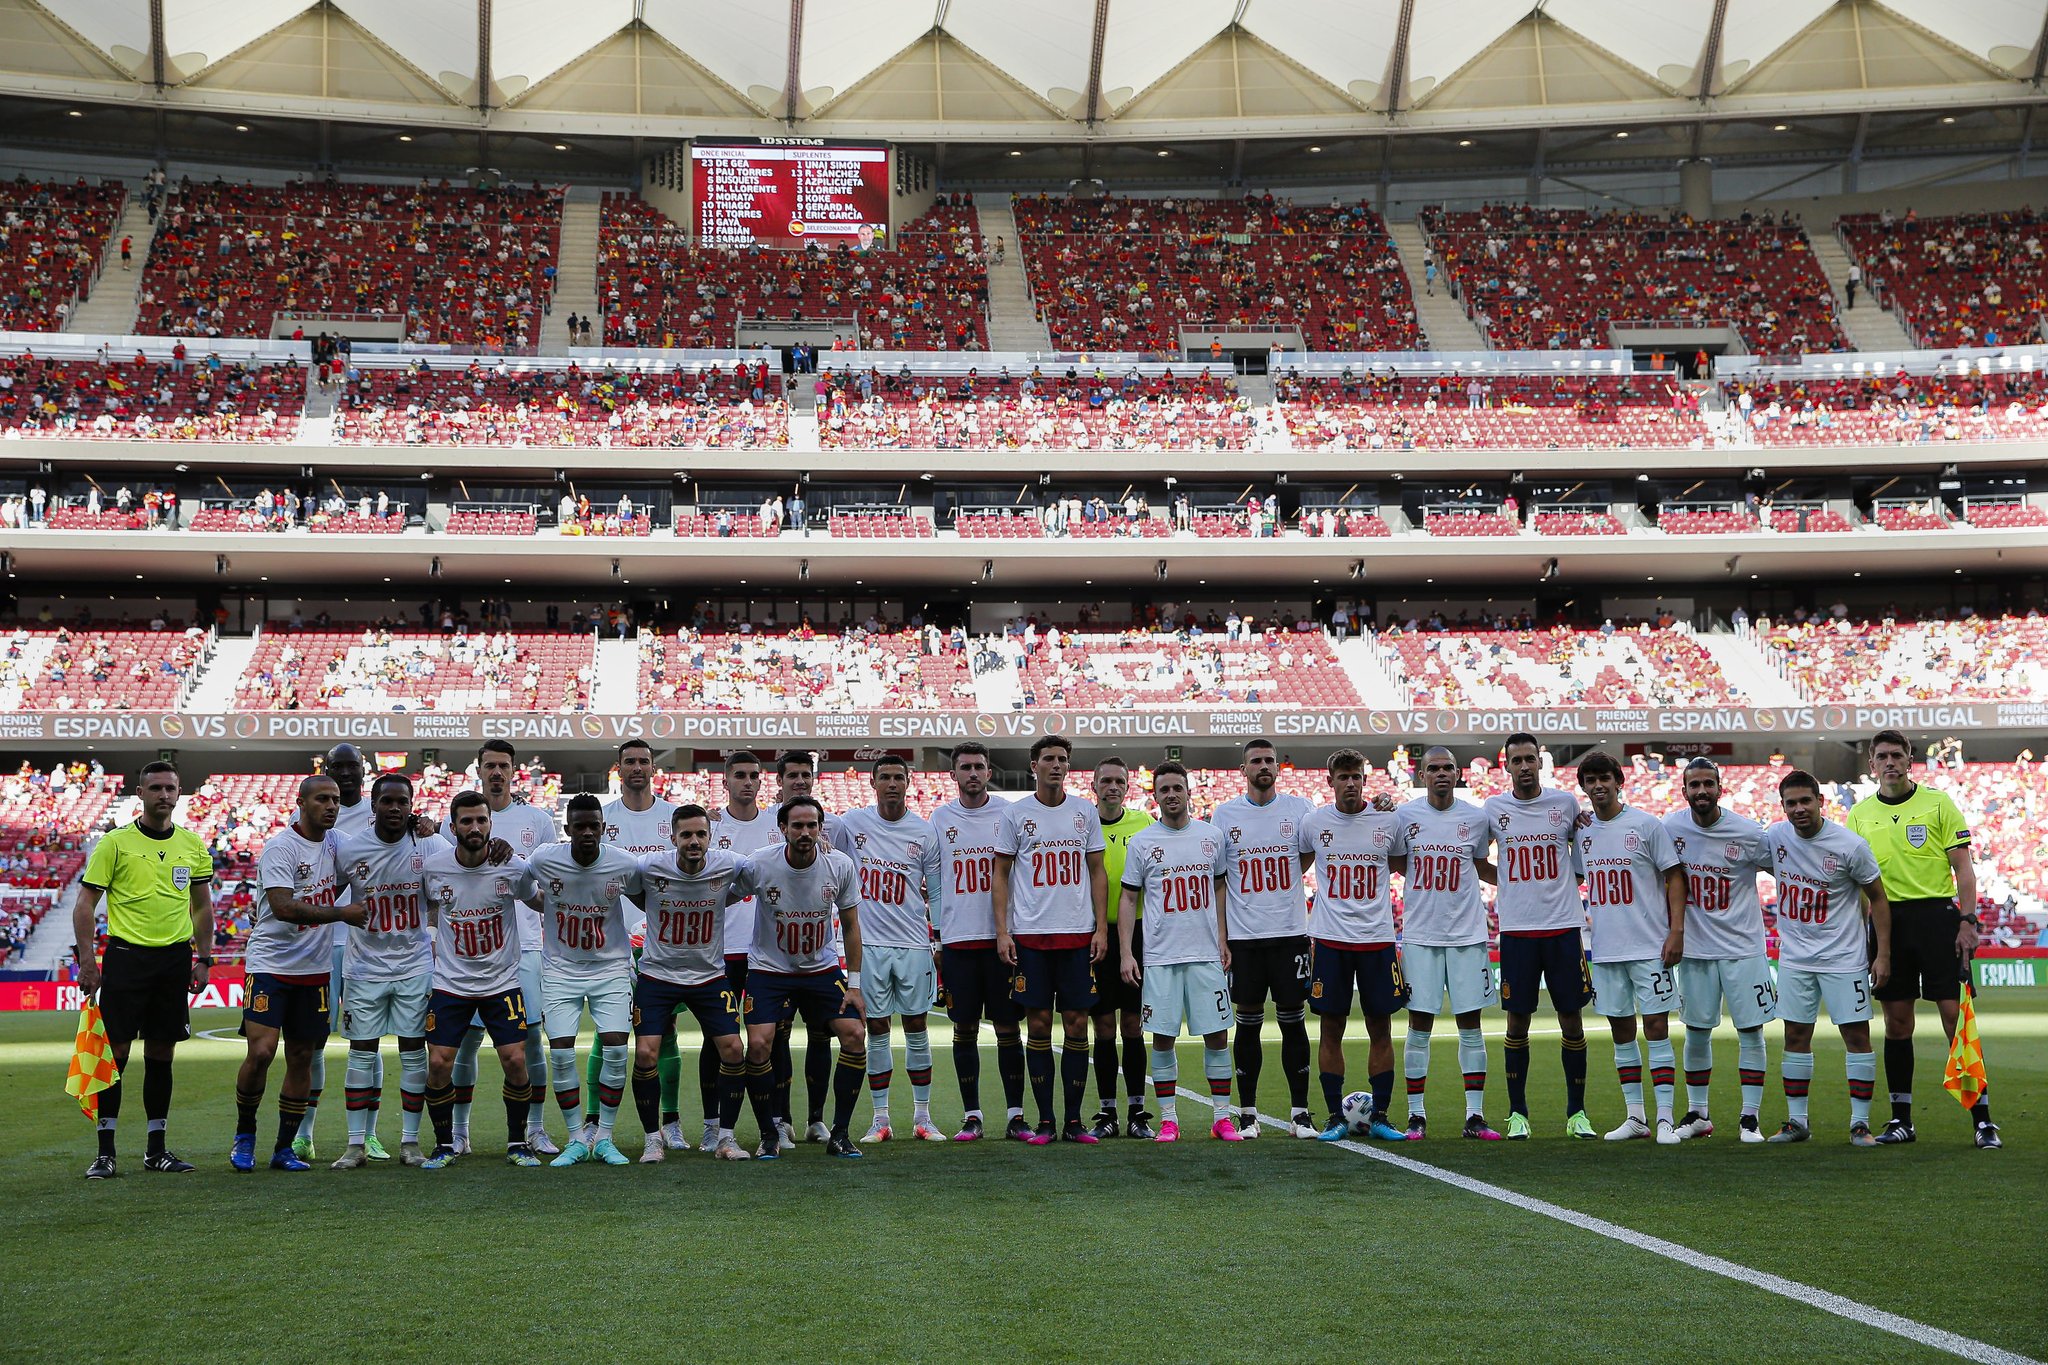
{"points": [[1358, 1111]]}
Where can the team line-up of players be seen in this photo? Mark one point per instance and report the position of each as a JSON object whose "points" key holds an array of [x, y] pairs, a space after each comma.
{"points": [[749, 918]]}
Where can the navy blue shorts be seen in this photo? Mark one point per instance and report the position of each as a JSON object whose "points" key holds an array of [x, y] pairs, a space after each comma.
{"points": [[502, 1016], [977, 985], [656, 1003], [298, 1010], [1112, 992], [778, 997], [1558, 960], [1374, 972], [1053, 978]]}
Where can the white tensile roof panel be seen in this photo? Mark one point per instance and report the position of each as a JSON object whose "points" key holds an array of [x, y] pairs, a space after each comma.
{"points": [[533, 39], [844, 40], [1145, 39], [439, 39], [198, 33], [1668, 48], [1443, 37], [746, 46], [2000, 31], [1347, 45], [1756, 28], [119, 28], [1042, 45]]}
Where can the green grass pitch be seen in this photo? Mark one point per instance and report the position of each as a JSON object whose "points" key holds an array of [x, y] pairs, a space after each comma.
{"points": [[1125, 1251]]}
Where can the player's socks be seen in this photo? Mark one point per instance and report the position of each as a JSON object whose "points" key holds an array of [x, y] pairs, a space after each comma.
{"points": [[1798, 1071], [313, 1095], [778, 1059], [1862, 1080], [846, 1082], [1574, 1074], [732, 1089], [291, 1109], [463, 1075], [818, 1074], [707, 1076], [158, 1132], [668, 1065], [1472, 1062], [568, 1089], [441, 1111], [1699, 1068], [518, 1108], [611, 1085], [1216, 1066], [1294, 1054], [1663, 1076], [647, 1096], [361, 1087], [246, 1104], [537, 1066], [881, 1068], [1074, 1058], [1104, 1055], [761, 1091], [156, 1099], [917, 1059], [1752, 1064], [105, 1126], [1628, 1069], [412, 1086], [1166, 1081], [1038, 1062], [967, 1070], [1415, 1067], [1134, 1072], [1333, 1092], [1514, 1055], [1382, 1083], [1898, 1076], [1010, 1066], [1249, 1054]]}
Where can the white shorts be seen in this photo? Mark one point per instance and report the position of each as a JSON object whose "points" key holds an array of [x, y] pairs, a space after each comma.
{"points": [[1194, 994], [1464, 974], [1801, 994], [1744, 982], [563, 996], [1641, 986], [897, 980], [385, 1009]]}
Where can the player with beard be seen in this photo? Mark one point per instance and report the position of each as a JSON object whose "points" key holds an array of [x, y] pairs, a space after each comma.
{"points": [[638, 821]]}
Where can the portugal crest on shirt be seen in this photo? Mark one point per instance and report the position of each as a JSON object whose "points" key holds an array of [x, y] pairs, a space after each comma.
{"points": [[860, 840], [1234, 834], [1325, 837], [1030, 829], [1678, 843], [772, 894], [952, 834], [554, 886], [1157, 854]]}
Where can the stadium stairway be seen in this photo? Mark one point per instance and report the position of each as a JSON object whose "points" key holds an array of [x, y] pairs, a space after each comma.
{"points": [[1375, 671], [1869, 326], [111, 309], [1744, 667], [1443, 318], [576, 267], [1013, 323], [214, 693], [615, 678], [316, 425]]}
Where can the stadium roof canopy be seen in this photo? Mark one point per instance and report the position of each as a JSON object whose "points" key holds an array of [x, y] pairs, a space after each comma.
{"points": [[1034, 73]]}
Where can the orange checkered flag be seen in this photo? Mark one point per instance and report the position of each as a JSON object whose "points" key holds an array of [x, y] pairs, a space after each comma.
{"points": [[1964, 1075], [92, 1062]]}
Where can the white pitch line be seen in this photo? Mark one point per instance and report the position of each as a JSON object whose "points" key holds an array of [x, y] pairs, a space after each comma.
{"points": [[1968, 1348]]}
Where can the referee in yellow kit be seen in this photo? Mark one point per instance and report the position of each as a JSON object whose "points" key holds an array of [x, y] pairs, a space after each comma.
{"points": [[1922, 845], [157, 878]]}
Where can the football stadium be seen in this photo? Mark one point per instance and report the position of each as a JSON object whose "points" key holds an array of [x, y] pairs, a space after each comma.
{"points": [[1220, 678]]}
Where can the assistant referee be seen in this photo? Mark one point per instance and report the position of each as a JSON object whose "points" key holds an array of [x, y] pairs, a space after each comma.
{"points": [[1922, 845], [157, 878]]}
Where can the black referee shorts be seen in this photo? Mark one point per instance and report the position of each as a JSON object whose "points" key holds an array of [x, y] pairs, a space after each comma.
{"points": [[145, 992], [1925, 963]]}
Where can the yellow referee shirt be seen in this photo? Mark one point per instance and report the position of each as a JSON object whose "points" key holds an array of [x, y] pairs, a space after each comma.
{"points": [[147, 879], [1116, 842], [1912, 837]]}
